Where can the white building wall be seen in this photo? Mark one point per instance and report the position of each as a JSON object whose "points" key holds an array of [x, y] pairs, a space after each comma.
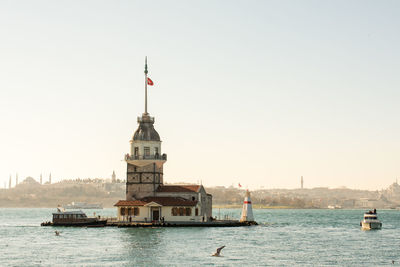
{"points": [[166, 212], [142, 144], [143, 215]]}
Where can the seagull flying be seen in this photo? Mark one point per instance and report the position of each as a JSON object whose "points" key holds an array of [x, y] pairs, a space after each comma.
{"points": [[218, 253]]}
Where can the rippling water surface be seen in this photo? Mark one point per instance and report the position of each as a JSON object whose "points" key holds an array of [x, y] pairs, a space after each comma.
{"points": [[284, 237]]}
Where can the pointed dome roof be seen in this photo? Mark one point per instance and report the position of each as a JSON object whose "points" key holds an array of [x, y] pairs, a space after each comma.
{"points": [[146, 131]]}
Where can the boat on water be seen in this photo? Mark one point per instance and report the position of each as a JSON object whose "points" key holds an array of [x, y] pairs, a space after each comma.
{"points": [[74, 218], [83, 205], [370, 221]]}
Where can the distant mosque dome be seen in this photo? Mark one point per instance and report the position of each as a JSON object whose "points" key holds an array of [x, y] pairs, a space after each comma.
{"points": [[29, 180], [146, 131]]}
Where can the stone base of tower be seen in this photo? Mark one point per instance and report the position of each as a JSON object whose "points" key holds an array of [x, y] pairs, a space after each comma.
{"points": [[143, 181]]}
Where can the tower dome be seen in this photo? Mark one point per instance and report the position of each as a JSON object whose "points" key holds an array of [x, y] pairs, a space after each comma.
{"points": [[146, 131]]}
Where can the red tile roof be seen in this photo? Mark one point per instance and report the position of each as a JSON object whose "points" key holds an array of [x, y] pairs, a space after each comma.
{"points": [[179, 188], [130, 203], [171, 201], [163, 201]]}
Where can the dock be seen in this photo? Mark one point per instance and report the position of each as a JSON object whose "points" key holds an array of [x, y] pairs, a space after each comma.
{"points": [[216, 223], [113, 222]]}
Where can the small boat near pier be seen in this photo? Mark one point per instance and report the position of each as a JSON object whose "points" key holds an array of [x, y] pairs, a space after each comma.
{"points": [[83, 205], [74, 218]]}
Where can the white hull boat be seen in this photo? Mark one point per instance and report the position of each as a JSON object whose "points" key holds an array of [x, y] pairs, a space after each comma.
{"points": [[370, 221]]}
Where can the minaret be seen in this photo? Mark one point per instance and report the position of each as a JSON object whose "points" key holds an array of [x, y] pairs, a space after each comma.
{"points": [[302, 181], [145, 161], [41, 179], [9, 183], [247, 210], [16, 179], [50, 178], [113, 177]]}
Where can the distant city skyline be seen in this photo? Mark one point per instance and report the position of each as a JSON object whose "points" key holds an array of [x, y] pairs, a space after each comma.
{"points": [[259, 92]]}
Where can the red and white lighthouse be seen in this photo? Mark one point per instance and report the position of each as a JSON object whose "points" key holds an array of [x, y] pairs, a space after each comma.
{"points": [[247, 211]]}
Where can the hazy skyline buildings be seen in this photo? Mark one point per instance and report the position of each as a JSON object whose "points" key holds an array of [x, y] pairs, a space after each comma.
{"points": [[262, 92]]}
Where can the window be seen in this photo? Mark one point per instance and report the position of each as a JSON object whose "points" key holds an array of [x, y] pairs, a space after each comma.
{"points": [[196, 211], [182, 211], [136, 151], [136, 211], [156, 150], [122, 211], [129, 211], [174, 211], [188, 211], [146, 151]]}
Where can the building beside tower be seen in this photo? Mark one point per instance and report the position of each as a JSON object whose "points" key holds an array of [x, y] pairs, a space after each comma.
{"points": [[147, 198]]}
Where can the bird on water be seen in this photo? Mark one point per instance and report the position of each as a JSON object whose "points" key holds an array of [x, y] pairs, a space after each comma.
{"points": [[57, 233], [218, 253]]}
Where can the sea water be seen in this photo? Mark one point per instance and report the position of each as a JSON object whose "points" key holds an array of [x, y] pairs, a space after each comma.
{"points": [[284, 238]]}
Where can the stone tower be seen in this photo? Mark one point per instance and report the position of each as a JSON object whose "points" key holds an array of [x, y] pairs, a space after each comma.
{"points": [[113, 178], [145, 161]]}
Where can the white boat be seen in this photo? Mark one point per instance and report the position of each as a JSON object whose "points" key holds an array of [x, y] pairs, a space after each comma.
{"points": [[83, 205], [370, 221]]}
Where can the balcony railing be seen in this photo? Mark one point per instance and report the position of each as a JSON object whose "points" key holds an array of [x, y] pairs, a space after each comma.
{"points": [[144, 157]]}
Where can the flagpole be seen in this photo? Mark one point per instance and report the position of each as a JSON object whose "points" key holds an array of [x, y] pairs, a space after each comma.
{"points": [[145, 86]]}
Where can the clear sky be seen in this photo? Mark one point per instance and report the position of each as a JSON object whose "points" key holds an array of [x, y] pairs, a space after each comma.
{"points": [[256, 92]]}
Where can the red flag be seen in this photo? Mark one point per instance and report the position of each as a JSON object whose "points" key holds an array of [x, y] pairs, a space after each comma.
{"points": [[149, 81], [240, 185]]}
